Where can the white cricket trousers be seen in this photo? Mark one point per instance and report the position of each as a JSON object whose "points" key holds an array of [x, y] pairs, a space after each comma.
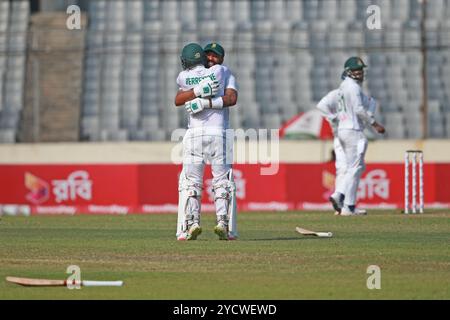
{"points": [[213, 146], [354, 144], [341, 166]]}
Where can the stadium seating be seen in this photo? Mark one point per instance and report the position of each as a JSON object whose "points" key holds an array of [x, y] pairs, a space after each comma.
{"points": [[263, 40], [285, 55], [14, 18]]}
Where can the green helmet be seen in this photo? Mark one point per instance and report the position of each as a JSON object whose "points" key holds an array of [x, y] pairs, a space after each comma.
{"points": [[192, 55], [216, 48], [354, 64]]}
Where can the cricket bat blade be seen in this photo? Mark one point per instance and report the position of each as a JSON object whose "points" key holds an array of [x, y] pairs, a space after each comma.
{"points": [[306, 232], [36, 282]]}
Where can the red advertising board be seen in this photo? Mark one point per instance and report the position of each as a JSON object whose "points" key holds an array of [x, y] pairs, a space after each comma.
{"points": [[158, 185], [70, 188], [134, 188]]}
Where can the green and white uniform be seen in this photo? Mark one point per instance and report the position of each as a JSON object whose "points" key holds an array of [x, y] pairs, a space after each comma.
{"points": [[204, 142]]}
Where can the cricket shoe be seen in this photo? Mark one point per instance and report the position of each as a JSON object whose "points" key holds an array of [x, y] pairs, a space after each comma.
{"points": [[194, 231], [337, 202], [358, 212], [232, 236], [346, 212], [221, 230], [182, 236]]}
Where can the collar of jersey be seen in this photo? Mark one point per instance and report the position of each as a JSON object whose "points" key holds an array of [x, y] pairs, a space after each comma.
{"points": [[196, 67]]}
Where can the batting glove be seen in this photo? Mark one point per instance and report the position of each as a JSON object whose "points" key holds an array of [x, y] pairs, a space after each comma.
{"points": [[206, 88], [196, 105]]}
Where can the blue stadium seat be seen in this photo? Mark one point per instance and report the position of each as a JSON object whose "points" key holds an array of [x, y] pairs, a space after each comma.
{"points": [[276, 11], [189, 14], [327, 10], [400, 10], [293, 11], [310, 10], [151, 11], [285, 54], [347, 10], [414, 127], [241, 11], [224, 10], [395, 125], [447, 123]]}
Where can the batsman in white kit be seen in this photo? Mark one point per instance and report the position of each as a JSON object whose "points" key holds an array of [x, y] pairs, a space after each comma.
{"points": [[348, 110], [206, 141]]}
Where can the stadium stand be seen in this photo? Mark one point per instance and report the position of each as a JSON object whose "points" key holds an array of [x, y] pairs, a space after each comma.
{"points": [[285, 54], [264, 39], [14, 17]]}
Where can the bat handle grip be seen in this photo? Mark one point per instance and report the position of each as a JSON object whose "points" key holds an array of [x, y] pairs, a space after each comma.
{"points": [[325, 234], [89, 283]]}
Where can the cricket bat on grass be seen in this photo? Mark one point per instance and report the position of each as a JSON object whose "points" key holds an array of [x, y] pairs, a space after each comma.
{"points": [[306, 232], [28, 282]]}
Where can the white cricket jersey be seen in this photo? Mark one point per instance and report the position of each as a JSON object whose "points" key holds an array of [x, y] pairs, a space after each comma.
{"points": [[329, 105], [230, 80], [351, 111], [188, 79]]}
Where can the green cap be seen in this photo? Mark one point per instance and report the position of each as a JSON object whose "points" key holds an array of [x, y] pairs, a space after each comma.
{"points": [[216, 48], [354, 63]]}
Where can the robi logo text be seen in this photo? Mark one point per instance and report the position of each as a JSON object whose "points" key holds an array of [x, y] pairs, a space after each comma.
{"points": [[76, 185]]}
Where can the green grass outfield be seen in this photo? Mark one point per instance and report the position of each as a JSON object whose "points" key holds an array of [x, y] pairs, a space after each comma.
{"points": [[269, 261]]}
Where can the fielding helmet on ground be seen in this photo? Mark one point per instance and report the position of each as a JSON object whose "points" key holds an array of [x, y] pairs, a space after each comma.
{"points": [[354, 64], [192, 55]]}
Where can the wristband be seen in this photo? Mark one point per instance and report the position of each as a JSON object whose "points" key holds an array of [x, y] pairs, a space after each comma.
{"points": [[217, 103]]}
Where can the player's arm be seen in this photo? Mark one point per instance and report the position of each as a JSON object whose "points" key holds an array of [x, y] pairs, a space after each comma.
{"points": [[371, 108], [184, 96], [364, 114], [209, 101], [229, 98], [378, 127], [324, 106], [369, 103], [198, 104], [356, 100], [369, 118], [231, 94], [206, 88]]}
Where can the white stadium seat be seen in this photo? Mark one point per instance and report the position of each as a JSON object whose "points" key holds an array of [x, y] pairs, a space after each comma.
{"points": [[285, 55]]}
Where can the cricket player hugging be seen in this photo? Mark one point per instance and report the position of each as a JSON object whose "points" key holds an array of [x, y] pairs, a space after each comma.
{"points": [[206, 140]]}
